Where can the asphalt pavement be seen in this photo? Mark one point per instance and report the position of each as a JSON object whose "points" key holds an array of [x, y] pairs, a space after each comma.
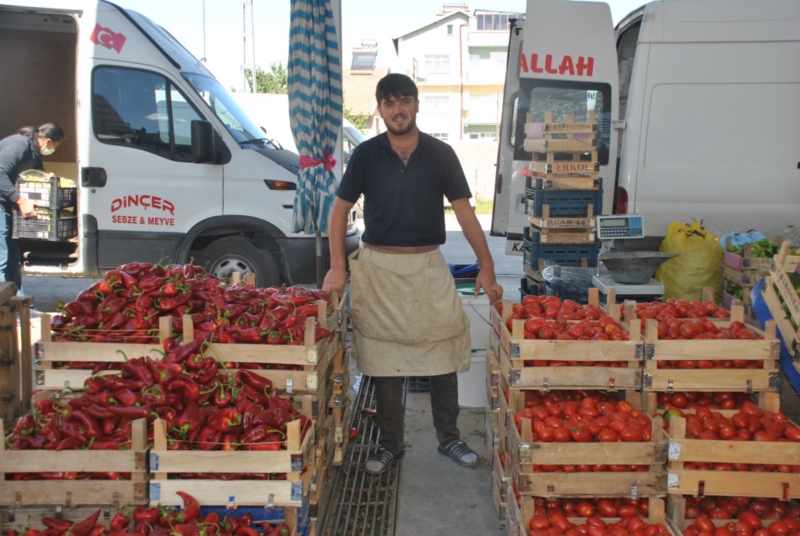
{"points": [[48, 290]]}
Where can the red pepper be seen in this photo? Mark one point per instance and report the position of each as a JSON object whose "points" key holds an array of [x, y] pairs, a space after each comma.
{"points": [[257, 382], [26, 425], [90, 426], [188, 388], [190, 420], [230, 524], [102, 287], [249, 413], [59, 524], [146, 515], [84, 527], [98, 412], [208, 439], [226, 337], [110, 425], [131, 412], [255, 435], [225, 420], [229, 442], [247, 531], [115, 321], [191, 509], [208, 371], [112, 304], [276, 337], [222, 397], [281, 530], [89, 296], [126, 396], [162, 372], [251, 394], [119, 523], [138, 369]]}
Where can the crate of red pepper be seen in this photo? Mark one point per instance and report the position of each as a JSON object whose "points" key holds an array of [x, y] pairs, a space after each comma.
{"points": [[191, 519], [61, 455], [547, 343], [754, 453], [585, 443], [704, 355]]}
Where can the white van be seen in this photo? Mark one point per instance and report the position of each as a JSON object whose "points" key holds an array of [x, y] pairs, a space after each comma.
{"points": [[168, 167], [697, 103]]}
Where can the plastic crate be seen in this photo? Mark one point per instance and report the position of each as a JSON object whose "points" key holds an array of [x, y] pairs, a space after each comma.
{"points": [[562, 203], [47, 194], [45, 226], [526, 288], [419, 384], [562, 254]]}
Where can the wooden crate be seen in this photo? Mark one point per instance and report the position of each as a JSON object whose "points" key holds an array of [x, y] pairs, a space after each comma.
{"points": [[676, 514], [15, 359], [656, 514], [743, 380], [499, 498], [290, 492], [324, 462], [566, 175], [680, 481], [516, 350], [339, 379], [70, 493], [790, 335], [784, 289], [341, 418], [747, 277], [524, 453], [550, 235], [760, 264]]}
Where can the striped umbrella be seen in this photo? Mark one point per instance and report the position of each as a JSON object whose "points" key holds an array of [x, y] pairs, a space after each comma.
{"points": [[315, 111]]}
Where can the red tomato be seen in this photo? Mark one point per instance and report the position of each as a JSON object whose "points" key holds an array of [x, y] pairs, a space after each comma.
{"points": [[606, 508], [751, 519], [559, 521], [723, 532], [561, 435], [704, 524], [595, 521], [580, 434], [540, 523], [626, 511], [631, 434], [779, 528], [585, 509], [792, 433]]}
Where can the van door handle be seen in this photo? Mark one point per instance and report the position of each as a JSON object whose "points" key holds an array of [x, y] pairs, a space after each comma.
{"points": [[499, 184], [93, 177]]}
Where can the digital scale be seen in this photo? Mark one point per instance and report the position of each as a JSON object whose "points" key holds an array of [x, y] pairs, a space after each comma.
{"points": [[618, 227]]}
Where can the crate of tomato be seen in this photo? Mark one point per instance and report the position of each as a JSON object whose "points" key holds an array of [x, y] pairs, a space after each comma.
{"points": [[754, 453], [586, 443], [743, 515], [552, 344], [709, 355]]}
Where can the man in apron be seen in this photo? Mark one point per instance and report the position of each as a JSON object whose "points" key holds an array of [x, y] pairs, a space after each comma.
{"points": [[407, 317]]}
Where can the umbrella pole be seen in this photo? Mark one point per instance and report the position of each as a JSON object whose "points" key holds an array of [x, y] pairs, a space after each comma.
{"points": [[320, 267]]}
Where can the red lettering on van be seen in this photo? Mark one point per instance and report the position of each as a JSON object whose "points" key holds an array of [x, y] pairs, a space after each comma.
{"points": [[146, 201], [568, 65], [107, 38]]}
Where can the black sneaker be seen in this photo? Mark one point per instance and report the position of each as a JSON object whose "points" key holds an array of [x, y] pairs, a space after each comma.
{"points": [[459, 452], [382, 461]]}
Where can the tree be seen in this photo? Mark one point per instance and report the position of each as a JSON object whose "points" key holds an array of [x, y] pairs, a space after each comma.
{"points": [[359, 121], [275, 81]]}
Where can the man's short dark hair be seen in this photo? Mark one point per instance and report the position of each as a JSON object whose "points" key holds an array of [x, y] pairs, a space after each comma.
{"points": [[395, 85]]}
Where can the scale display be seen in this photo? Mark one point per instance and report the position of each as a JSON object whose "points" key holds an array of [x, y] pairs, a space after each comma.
{"points": [[613, 227]]}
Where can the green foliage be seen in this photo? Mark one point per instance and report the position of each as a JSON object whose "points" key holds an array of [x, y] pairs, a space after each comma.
{"points": [[275, 81], [358, 121]]}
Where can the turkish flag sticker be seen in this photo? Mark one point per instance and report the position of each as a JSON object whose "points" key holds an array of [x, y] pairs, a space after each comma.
{"points": [[107, 38]]}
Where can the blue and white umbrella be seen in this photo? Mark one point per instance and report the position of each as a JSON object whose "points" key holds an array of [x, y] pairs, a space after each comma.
{"points": [[315, 110]]}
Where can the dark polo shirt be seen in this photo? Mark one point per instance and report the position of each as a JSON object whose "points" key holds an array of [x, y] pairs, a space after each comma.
{"points": [[403, 204]]}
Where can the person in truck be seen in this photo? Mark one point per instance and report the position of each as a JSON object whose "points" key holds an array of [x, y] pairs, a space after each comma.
{"points": [[407, 317], [20, 152]]}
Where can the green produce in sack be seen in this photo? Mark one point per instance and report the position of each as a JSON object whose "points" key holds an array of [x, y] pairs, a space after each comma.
{"points": [[698, 264]]}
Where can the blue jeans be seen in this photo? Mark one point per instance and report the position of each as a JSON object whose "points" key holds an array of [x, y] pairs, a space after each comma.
{"points": [[10, 258]]}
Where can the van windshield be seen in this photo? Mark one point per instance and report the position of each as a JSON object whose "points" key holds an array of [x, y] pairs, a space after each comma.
{"points": [[227, 110]]}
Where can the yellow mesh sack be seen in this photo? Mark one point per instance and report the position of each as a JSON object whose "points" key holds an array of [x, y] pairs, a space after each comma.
{"points": [[698, 264]]}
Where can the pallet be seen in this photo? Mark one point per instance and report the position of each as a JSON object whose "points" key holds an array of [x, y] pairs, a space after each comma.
{"points": [[70, 493], [291, 462], [524, 453], [656, 514], [516, 350], [745, 380], [783, 486], [790, 335]]}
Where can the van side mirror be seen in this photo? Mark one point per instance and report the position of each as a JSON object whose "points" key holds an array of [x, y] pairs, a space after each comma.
{"points": [[203, 142]]}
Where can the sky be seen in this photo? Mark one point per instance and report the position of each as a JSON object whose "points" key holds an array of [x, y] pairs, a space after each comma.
{"points": [[223, 45]]}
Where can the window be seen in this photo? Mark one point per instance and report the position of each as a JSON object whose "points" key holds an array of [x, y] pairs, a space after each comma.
{"points": [[449, 29], [436, 104], [143, 110], [482, 136], [496, 21], [437, 63], [561, 98], [440, 135]]}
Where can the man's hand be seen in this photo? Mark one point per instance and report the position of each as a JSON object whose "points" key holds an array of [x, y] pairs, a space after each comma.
{"points": [[336, 279], [487, 281], [26, 207]]}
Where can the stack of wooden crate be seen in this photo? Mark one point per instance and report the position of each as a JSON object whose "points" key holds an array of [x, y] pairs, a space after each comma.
{"points": [[563, 194], [318, 388], [780, 295], [15, 358]]}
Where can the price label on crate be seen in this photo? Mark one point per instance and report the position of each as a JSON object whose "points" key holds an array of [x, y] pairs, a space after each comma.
{"points": [[297, 491], [155, 491], [153, 461]]}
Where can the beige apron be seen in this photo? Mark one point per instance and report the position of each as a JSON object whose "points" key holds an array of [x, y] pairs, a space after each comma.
{"points": [[407, 316]]}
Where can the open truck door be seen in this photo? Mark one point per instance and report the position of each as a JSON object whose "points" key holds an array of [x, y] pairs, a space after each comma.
{"points": [[562, 59]]}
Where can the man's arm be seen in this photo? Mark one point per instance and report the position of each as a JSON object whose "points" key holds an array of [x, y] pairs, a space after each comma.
{"points": [[336, 278], [471, 228]]}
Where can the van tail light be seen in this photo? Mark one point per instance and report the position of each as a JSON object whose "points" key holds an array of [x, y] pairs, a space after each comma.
{"points": [[280, 185], [621, 203]]}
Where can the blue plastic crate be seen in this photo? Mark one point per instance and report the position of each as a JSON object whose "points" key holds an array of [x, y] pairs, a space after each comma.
{"points": [[562, 203], [526, 288], [561, 254], [419, 384]]}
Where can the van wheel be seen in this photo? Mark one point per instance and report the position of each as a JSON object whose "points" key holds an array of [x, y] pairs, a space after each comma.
{"points": [[236, 254]]}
